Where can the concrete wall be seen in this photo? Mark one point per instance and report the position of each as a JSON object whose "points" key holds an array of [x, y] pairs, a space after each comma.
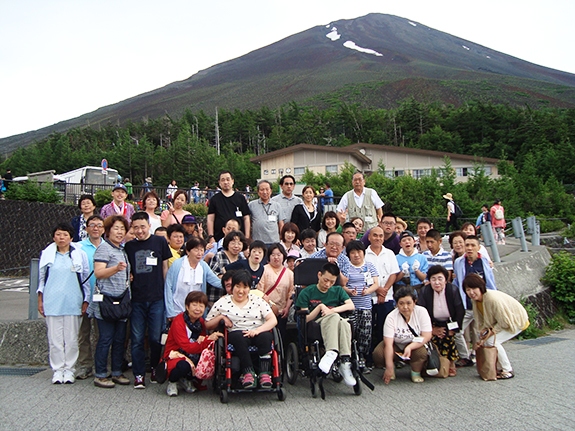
{"points": [[520, 273]]}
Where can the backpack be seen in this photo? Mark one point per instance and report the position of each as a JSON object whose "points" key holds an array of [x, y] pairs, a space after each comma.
{"points": [[498, 214], [458, 213]]}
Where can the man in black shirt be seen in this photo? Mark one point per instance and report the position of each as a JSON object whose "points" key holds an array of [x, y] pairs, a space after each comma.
{"points": [[148, 255], [227, 205]]}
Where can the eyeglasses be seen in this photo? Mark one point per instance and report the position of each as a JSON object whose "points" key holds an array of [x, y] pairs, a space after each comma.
{"points": [[99, 226], [289, 184], [388, 223], [333, 244]]}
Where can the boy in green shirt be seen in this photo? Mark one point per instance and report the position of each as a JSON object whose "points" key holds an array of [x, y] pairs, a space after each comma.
{"points": [[326, 301]]}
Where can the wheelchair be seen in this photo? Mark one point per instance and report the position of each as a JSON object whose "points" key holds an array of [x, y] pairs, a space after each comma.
{"points": [[303, 356], [227, 368]]}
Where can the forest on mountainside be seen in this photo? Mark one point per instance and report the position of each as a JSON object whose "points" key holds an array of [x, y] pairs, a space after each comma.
{"points": [[540, 143]]}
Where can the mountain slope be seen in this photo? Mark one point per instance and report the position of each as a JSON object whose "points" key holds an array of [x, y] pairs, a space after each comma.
{"points": [[401, 58]]}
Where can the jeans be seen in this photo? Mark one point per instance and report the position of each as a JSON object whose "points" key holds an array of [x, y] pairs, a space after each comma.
{"points": [[148, 315], [114, 334]]}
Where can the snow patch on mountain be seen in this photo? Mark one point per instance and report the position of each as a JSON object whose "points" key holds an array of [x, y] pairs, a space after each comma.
{"points": [[333, 34], [412, 23], [351, 45], [465, 47]]}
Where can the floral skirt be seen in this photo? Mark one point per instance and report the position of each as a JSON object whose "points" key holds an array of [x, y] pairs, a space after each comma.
{"points": [[446, 347]]}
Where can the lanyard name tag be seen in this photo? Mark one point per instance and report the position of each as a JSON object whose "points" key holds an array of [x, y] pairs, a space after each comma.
{"points": [[272, 218], [368, 219], [452, 326], [152, 261], [238, 213], [368, 279], [418, 339], [97, 297]]}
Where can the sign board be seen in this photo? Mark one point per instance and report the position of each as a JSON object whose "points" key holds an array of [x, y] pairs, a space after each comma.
{"points": [[104, 166]]}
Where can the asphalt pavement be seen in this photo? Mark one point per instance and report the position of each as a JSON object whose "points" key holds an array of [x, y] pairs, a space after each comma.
{"points": [[540, 397]]}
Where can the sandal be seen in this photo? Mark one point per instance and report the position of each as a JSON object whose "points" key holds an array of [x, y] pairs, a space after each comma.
{"points": [[248, 381], [504, 375], [265, 381], [452, 372]]}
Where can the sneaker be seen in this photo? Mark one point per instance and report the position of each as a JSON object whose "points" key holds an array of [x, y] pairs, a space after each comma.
{"points": [[188, 386], [367, 370], [69, 377], [265, 380], [199, 385], [121, 380], [172, 390], [464, 363], [327, 361], [139, 382], [58, 377], [345, 371], [84, 373], [153, 378], [248, 381], [103, 382]]}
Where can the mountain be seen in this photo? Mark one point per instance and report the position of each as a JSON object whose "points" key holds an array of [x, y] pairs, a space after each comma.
{"points": [[377, 60]]}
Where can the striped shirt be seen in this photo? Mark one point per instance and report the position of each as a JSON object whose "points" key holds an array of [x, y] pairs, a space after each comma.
{"points": [[442, 258]]}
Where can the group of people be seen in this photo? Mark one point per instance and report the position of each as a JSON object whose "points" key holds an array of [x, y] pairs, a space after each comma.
{"points": [[163, 271]]}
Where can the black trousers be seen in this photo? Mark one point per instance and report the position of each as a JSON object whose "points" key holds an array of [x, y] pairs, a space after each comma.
{"points": [[262, 341]]}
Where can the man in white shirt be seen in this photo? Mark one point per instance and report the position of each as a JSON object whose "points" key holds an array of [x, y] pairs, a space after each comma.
{"points": [[365, 204], [387, 267]]}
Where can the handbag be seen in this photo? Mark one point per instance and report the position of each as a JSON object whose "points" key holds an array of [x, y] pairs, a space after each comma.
{"points": [[486, 358], [162, 371], [114, 308], [207, 363], [433, 361]]}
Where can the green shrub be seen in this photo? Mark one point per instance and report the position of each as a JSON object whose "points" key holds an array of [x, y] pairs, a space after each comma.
{"points": [[197, 210], [532, 330], [31, 191], [103, 197], [560, 277], [569, 231], [551, 225]]}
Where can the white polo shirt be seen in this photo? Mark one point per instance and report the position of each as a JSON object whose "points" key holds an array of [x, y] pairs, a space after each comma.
{"points": [[386, 264]]}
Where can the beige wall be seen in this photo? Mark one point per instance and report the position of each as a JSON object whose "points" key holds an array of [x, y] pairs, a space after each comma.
{"points": [[317, 160], [282, 162]]}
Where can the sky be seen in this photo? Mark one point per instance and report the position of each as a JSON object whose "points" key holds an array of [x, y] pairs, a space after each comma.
{"points": [[63, 58]]}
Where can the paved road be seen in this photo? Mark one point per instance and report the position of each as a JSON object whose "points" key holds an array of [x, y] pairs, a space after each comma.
{"points": [[540, 397]]}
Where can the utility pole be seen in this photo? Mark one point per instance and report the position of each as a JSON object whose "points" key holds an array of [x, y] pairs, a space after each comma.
{"points": [[217, 133]]}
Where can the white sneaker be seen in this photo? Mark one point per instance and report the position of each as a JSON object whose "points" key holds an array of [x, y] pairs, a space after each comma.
{"points": [[58, 377], [188, 385], [327, 361], [69, 377], [345, 371], [172, 390]]}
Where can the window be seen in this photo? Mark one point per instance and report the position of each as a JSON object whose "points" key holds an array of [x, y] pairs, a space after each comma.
{"points": [[299, 171], [393, 174], [461, 172], [420, 173], [487, 170], [273, 171], [266, 172], [331, 168]]}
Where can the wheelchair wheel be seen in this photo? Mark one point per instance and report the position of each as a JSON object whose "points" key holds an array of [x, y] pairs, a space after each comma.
{"points": [[292, 363], [224, 396], [282, 394], [357, 388], [335, 375]]}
